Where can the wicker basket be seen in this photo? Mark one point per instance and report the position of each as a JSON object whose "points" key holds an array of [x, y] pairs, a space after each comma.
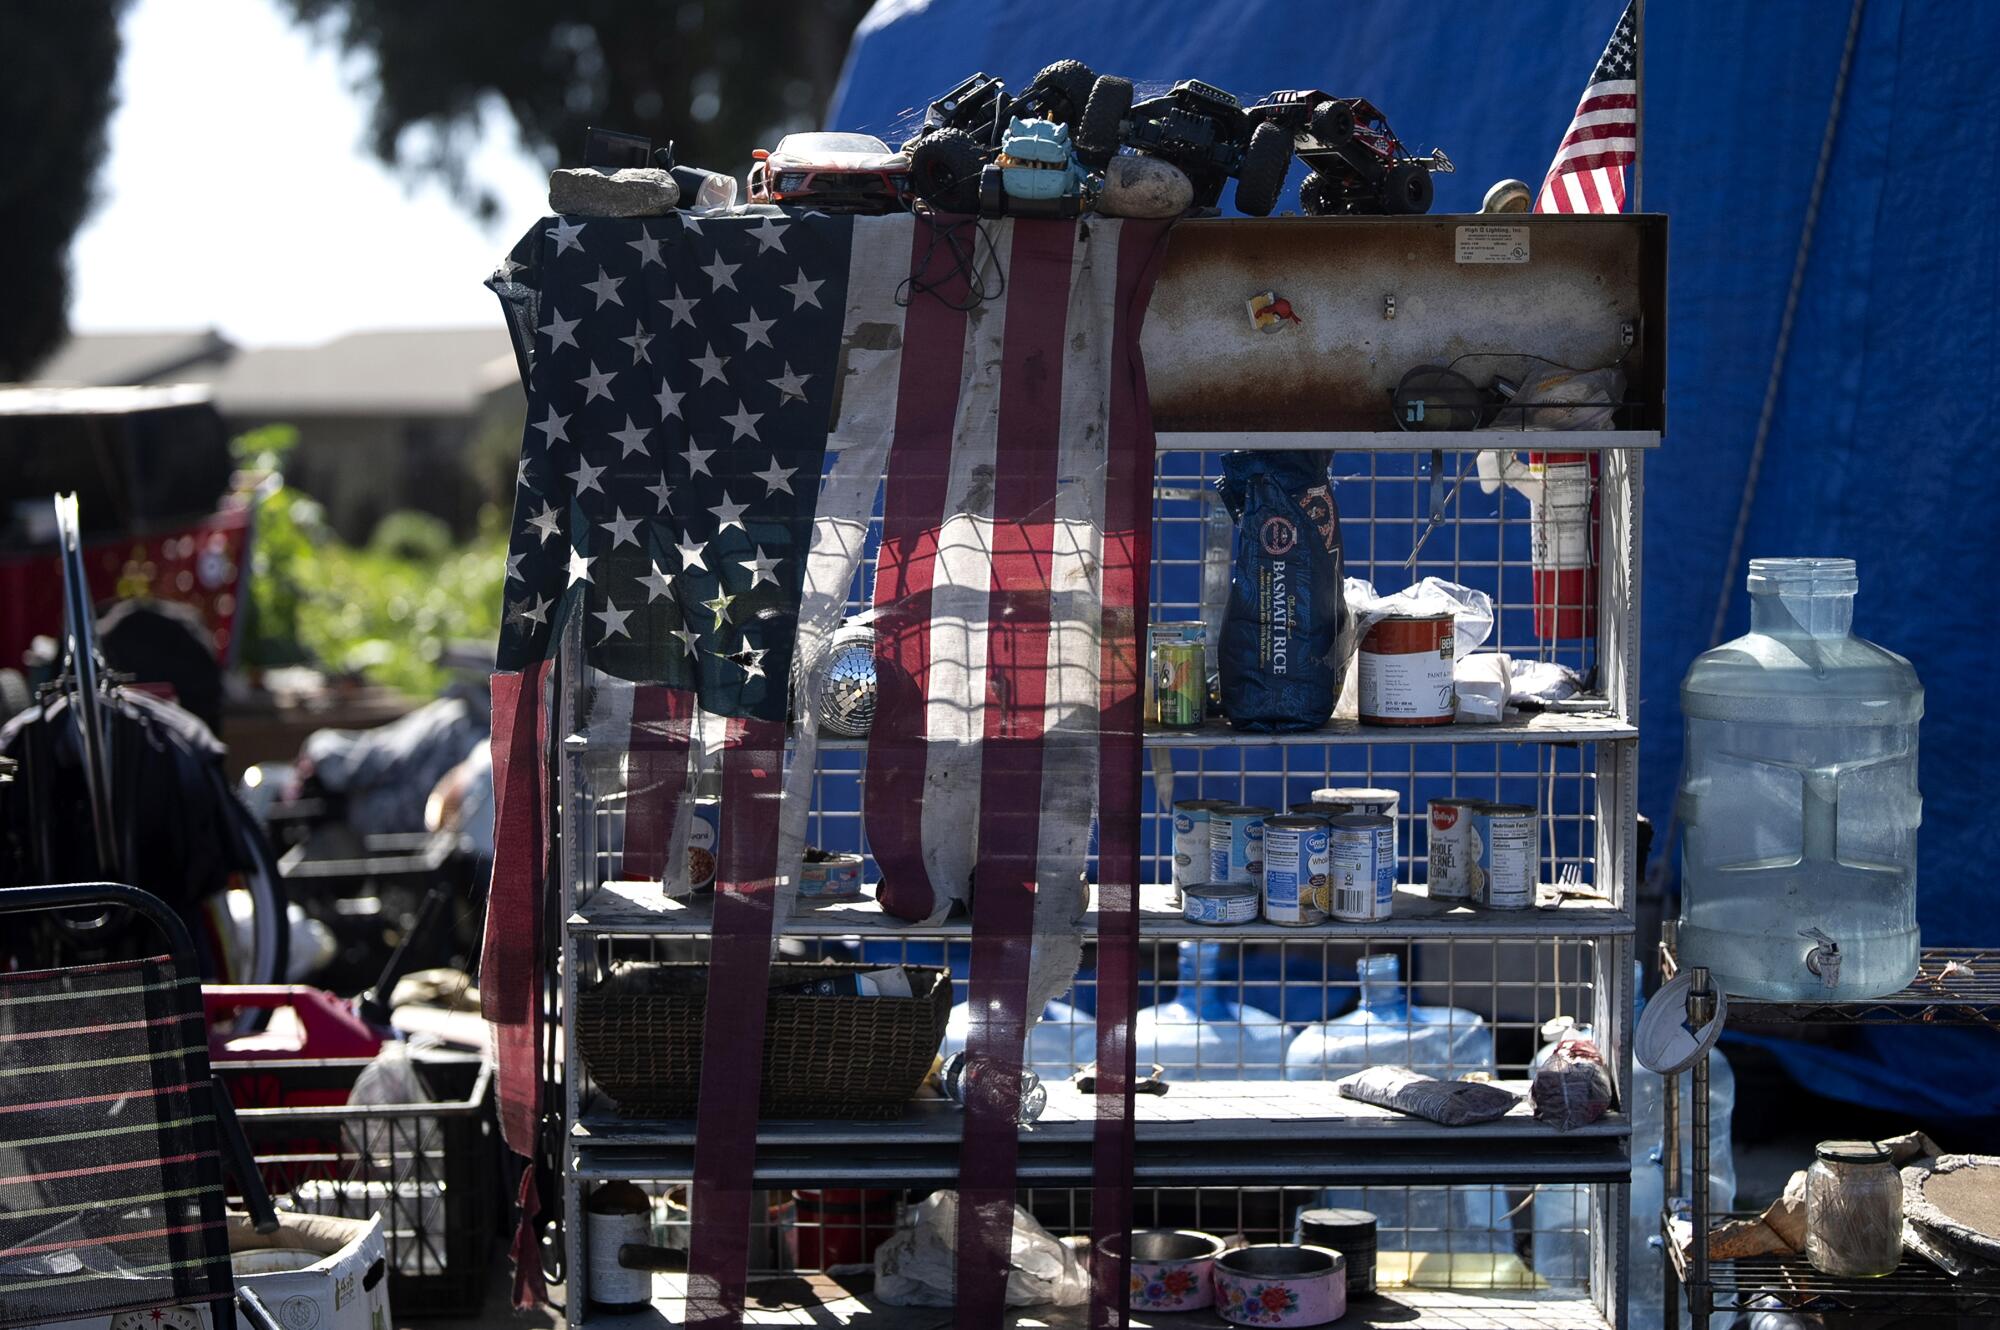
{"points": [[640, 1034]]}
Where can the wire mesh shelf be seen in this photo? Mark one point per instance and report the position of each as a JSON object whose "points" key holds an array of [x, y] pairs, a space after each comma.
{"points": [[1916, 1288], [1954, 986]]}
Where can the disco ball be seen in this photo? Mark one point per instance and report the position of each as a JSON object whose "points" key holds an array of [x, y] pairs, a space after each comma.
{"points": [[843, 683]]}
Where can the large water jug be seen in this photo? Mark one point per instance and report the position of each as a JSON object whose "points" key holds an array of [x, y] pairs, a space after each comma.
{"points": [[1446, 1042], [1799, 802], [1202, 1033], [1060, 1042]]}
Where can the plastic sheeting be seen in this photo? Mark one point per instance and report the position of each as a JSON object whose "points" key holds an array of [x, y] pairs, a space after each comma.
{"points": [[1893, 375]]}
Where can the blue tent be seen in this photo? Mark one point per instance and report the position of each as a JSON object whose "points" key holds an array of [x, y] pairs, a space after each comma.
{"points": [[1893, 370]]}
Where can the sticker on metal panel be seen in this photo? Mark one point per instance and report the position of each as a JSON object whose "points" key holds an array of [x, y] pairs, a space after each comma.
{"points": [[1492, 244]]}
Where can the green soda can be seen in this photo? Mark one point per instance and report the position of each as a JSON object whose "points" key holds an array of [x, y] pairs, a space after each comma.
{"points": [[1180, 685]]}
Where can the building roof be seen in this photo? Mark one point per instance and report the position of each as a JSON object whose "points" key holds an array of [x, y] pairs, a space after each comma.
{"points": [[422, 372], [91, 360]]}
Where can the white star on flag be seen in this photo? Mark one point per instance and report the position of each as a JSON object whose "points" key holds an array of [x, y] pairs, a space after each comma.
{"points": [[760, 568], [514, 568], [596, 384], [754, 330], [506, 269], [547, 523], [648, 246], [566, 235], [729, 514], [753, 668], [624, 530], [536, 613], [682, 308], [554, 429], [776, 478], [579, 567], [698, 459], [744, 422], [659, 583], [721, 274], [790, 386], [669, 400], [586, 476], [686, 639], [639, 341], [710, 365], [633, 438], [690, 224], [613, 619], [560, 331], [804, 293], [691, 555], [521, 473], [720, 605], [605, 288], [767, 236], [661, 492]]}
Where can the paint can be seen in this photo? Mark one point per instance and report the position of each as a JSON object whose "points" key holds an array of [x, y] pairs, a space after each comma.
{"points": [[704, 843], [1295, 870], [1371, 799], [1361, 859], [1509, 855], [1236, 843], [1219, 903], [1191, 842], [1405, 670], [1453, 850]]}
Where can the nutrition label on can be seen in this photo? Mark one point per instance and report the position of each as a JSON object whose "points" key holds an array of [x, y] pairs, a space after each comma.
{"points": [[1511, 853], [1412, 686]]}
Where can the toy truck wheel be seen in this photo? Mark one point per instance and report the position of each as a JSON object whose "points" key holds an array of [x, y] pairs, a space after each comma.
{"points": [[944, 170], [1103, 123], [1262, 178], [992, 193], [1332, 124], [1320, 197], [1407, 190], [1064, 89]]}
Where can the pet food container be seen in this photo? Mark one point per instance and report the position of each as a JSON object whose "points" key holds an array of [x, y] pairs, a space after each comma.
{"points": [[1172, 1268], [1281, 1284]]}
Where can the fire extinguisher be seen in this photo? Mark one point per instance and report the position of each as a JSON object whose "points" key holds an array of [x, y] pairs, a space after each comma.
{"points": [[1561, 490]]}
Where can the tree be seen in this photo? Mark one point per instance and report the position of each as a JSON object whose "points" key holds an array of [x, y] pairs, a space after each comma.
{"points": [[58, 84], [718, 77]]}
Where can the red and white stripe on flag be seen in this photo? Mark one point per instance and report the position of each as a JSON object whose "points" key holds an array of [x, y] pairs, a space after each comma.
{"points": [[1588, 173]]}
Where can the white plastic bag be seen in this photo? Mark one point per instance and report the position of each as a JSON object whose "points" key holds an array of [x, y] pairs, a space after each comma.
{"points": [[1482, 684], [1471, 620], [915, 1268]]}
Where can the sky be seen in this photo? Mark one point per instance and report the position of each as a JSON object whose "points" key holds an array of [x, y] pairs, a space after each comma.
{"points": [[238, 194]]}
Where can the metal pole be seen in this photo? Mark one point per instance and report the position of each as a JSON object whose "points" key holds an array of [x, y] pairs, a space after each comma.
{"points": [[1638, 105], [1701, 1010]]}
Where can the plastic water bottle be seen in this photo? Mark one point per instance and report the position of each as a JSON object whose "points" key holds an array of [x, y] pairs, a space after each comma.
{"points": [[1060, 1042], [1202, 1033], [1445, 1042], [1799, 800]]}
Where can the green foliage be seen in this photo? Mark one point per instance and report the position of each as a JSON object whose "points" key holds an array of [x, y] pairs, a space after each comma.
{"points": [[717, 77], [386, 611]]}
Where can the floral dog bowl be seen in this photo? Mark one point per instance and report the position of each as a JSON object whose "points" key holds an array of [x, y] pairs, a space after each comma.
{"points": [[1171, 1268], [1281, 1284]]}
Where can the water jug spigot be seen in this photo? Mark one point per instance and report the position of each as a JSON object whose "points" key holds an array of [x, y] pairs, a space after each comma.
{"points": [[1824, 957]]}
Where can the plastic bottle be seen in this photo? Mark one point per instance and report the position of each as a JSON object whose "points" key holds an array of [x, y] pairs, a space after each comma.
{"points": [[1202, 1033], [1446, 1042], [1799, 800], [1060, 1042]]}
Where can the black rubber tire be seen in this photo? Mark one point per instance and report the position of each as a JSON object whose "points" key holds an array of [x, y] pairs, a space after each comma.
{"points": [[1332, 124], [992, 193], [1407, 190], [1265, 163], [1065, 88], [944, 170], [1103, 125], [1320, 197]]}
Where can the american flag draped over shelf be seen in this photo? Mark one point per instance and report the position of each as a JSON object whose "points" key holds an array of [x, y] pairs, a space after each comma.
{"points": [[715, 406], [1588, 174]]}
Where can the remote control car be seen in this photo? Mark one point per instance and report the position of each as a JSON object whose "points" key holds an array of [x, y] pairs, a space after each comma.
{"points": [[1199, 128], [854, 173], [1035, 174], [1358, 165], [963, 129]]}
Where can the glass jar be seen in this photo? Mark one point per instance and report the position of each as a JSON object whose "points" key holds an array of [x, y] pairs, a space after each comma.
{"points": [[1854, 1210]]}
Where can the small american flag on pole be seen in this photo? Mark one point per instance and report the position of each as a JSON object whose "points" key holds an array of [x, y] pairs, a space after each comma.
{"points": [[1588, 174]]}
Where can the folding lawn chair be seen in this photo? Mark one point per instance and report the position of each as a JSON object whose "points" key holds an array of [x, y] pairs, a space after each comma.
{"points": [[113, 1137]]}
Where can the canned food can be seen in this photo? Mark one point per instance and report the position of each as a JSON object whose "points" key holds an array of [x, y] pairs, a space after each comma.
{"points": [[1180, 685], [1405, 671], [1295, 870], [1371, 799], [829, 877], [704, 843], [1509, 855], [1236, 843], [1453, 858], [1361, 862], [1218, 903], [1156, 633], [1191, 841]]}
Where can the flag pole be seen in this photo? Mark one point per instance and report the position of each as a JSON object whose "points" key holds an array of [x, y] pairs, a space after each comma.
{"points": [[1638, 105]]}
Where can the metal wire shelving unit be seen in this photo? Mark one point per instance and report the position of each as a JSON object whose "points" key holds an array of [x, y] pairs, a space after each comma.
{"points": [[1238, 1148]]}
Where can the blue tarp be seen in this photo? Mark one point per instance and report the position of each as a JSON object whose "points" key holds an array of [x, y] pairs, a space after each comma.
{"points": [[1892, 386]]}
